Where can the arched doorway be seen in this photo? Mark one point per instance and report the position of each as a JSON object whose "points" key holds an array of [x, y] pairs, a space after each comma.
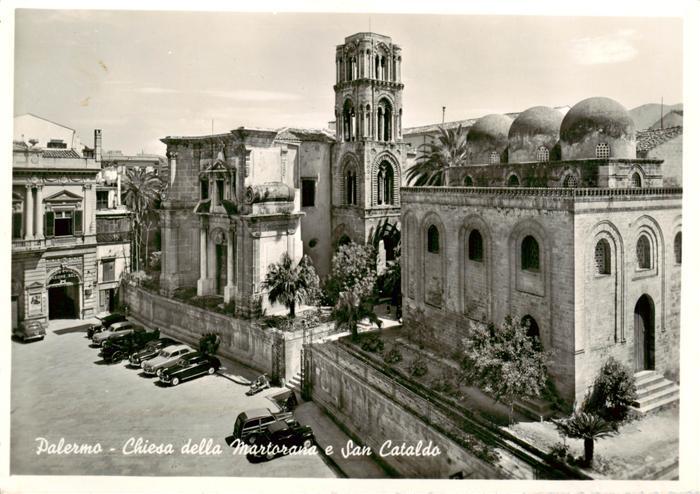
{"points": [[221, 253], [644, 333], [64, 295]]}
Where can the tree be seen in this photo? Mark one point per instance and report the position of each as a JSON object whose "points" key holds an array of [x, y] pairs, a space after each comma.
{"points": [[142, 190], [613, 392], [505, 362], [289, 284], [353, 268], [435, 157], [586, 426], [351, 309]]}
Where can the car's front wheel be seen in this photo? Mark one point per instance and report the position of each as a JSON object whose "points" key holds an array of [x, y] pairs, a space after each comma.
{"points": [[159, 372], [175, 381], [118, 357], [211, 370]]}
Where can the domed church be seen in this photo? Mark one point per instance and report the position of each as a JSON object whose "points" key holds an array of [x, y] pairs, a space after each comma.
{"points": [[557, 222]]}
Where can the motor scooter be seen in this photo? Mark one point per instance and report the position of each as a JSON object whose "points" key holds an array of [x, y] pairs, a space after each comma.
{"points": [[258, 385]]}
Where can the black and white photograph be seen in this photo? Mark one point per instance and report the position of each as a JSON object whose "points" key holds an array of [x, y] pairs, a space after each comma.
{"points": [[369, 243]]}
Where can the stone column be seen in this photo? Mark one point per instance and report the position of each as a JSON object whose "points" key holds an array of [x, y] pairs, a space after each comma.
{"points": [[39, 212], [29, 214], [202, 282], [88, 223], [230, 260], [380, 124]]}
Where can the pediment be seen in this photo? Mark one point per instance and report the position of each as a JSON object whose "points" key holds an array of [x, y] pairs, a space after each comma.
{"points": [[63, 196], [34, 286]]}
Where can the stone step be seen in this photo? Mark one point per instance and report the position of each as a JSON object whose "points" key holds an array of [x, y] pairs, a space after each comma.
{"points": [[668, 400], [535, 408], [646, 401], [294, 383], [648, 379], [653, 388]]}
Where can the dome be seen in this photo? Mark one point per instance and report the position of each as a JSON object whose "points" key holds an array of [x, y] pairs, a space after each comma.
{"points": [[597, 121], [489, 134], [533, 129]]}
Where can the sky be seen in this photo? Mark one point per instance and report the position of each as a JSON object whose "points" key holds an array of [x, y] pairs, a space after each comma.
{"points": [[141, 76]]}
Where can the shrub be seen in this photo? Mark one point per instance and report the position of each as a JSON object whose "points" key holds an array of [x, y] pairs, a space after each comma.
{"points": [[612, 394], [445, 384], [373, 344], [393, 355], [418, 367], [560, 451], [185, 293]]}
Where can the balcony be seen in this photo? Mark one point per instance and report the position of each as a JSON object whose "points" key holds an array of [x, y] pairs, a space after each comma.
{"points": [[114, 237], [21, 245]]}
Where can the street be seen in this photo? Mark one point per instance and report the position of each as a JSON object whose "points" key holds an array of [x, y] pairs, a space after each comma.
{"points": [[63, 392]]}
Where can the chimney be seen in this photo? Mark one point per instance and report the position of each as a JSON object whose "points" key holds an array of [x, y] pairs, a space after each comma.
{"points": [[98, 145]]}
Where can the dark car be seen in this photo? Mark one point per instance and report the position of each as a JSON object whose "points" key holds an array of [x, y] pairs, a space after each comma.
{"points": [[281, 438], [106, 320], [251, 422], [121, 347], [30, 330], [151, 349], [189, 367]]}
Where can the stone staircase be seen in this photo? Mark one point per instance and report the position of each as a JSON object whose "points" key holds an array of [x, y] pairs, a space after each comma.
{"points": [[294, 383], [535, 408], [653, 391]]}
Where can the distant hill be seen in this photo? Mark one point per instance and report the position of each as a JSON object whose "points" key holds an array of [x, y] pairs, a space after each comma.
{"points": [[671, 119], [646, 116]]}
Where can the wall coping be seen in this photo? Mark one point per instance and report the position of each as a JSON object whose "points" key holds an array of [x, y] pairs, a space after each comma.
{"points": [[407, 193]]}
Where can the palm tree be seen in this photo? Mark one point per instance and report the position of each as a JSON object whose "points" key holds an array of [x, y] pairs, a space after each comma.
{"points": [[586, 426], [289, 284], [449, 150], [351, 309], [141, 193]]}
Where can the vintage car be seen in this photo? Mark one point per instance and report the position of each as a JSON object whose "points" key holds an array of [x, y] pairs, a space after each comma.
{"points": [[166, 358], [116, 329], [106, 320], [120, 347], [281, 438], [251, 422], [29, 330], [152, 349], [189, 367]]}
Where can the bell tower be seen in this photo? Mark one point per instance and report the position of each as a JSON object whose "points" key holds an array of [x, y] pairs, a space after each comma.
{"points": [[369, 155]]}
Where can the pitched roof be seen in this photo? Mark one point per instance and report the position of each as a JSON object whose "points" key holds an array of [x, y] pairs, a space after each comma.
{"points": [[59, 153], [651, 138]]}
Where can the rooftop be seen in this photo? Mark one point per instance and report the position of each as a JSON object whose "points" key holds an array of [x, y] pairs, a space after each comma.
{"points": [[651, 138]]}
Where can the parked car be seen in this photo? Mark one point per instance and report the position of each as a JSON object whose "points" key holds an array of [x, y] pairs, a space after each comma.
{"points": [[152, 349], [189, 367], [251, 422], [166, 358], [120, 347], [106, 320], [116, 329], [281, 438], [29, 330]]}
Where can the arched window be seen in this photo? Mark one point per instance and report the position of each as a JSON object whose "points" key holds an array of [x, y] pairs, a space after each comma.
{"points": [[433, 240], [570, 181], [476, 246], [602, 151], [513, 181], [348, 122], [351, 187], [542, 154], [385, 184], [602, 257], [643, 252], [468, 181], [636, 180], [530, 254], [385, 117], [493, 158], [677, 245]]}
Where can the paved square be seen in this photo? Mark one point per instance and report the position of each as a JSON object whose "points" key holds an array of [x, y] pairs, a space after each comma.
{"points": [[62, 389]]}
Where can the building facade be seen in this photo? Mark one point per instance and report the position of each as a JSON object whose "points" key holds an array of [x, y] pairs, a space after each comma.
{"points": [[54, 247], [559, 224]]}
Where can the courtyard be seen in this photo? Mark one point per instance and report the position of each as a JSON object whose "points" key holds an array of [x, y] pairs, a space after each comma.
{"points": [[63, 392]]}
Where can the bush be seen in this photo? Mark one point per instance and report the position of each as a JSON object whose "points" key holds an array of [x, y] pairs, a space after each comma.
{"points": [[185, 294], [418, 367], [560, 451], [373, 344], [393, 355], [445, 384], [612, 394]]}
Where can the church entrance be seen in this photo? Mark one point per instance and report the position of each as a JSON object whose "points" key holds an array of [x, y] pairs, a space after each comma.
{"points": [[64, 295], [221, 260], [644, 333]]}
